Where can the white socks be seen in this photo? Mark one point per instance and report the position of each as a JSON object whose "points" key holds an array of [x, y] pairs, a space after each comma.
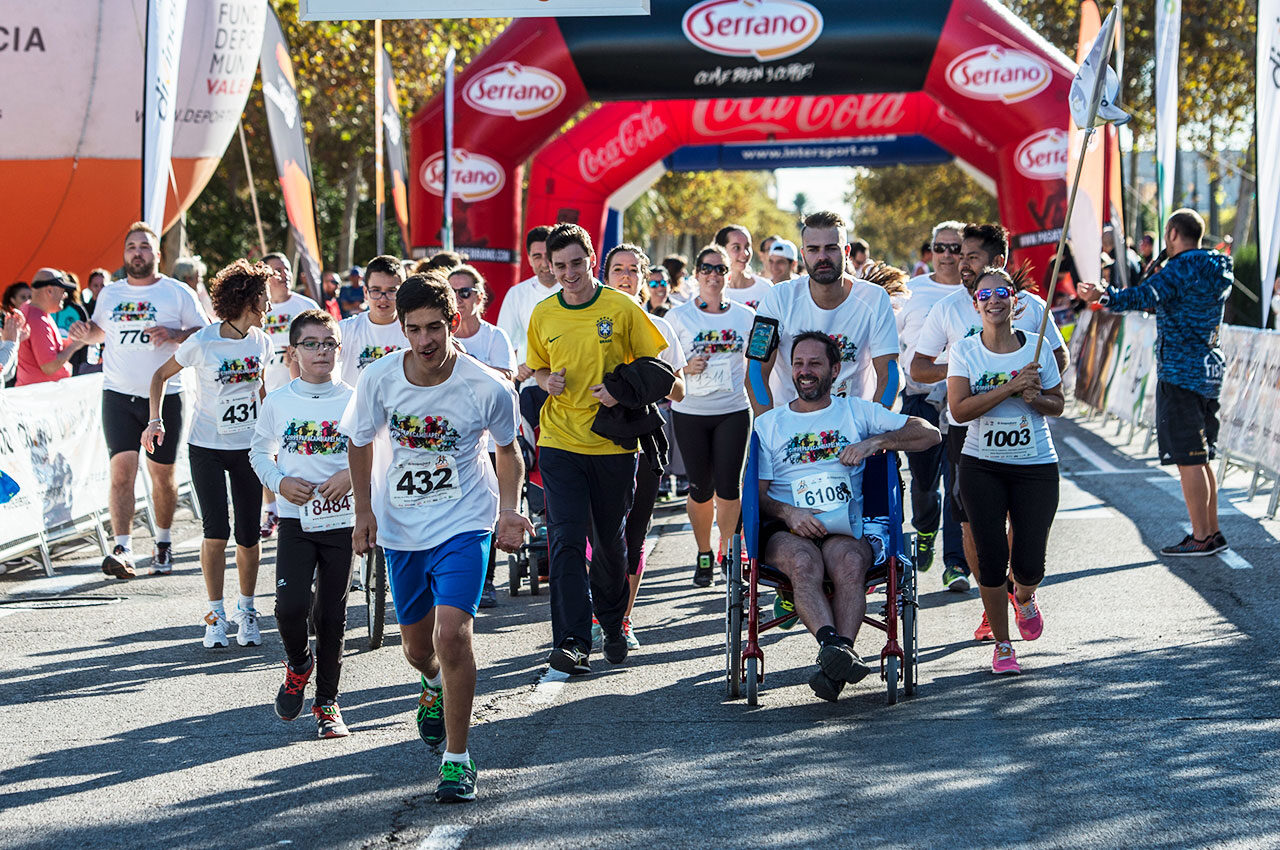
{"points": [[245, 603], [162, 535], [125, 540], [461, 758], [435, 681]]}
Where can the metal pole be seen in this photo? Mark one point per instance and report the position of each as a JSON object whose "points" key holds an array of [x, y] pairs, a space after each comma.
{"points": [[379, 98], [446, 234], [253, 193]]}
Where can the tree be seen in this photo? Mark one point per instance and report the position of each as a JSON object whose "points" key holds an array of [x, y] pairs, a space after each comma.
{"points": [[800, 203]]}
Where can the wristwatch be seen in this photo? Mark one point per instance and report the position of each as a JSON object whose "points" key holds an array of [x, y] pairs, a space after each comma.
{"points": [[1104, 299]]}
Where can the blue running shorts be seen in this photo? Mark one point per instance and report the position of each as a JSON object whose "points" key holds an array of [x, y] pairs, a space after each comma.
{"points": [[449, 574]]}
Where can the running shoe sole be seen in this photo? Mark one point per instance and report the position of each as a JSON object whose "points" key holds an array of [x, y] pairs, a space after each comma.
{"points": [[565, 662], [842, 664], [824, 687], [116, 568]]}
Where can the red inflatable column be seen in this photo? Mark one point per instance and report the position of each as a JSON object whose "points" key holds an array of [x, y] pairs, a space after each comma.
{"points": [[1033, 199]]}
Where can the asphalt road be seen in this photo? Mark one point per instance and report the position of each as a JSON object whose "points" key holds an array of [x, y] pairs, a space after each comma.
{"points": [[1147, 713]]}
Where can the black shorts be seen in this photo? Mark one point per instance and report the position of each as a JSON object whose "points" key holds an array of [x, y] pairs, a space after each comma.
{"points": [[124, 418], [1186, 426], [956, 435]]}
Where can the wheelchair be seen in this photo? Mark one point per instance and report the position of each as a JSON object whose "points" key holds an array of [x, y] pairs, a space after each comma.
{"points": [[895, 577], [373, 574], [532, 563]]}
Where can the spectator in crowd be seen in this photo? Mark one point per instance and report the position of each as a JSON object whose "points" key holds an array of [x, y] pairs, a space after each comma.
{"points": [[45, 354], [445, 261], [98, 278], [73, 311], [681, 288], [330, 285], [351, 300], [766, 245], [355, 276], [12, 333], [191, 271], [1132, 262], [780, 260], [15, 295], [859, 253], [923, 265]]}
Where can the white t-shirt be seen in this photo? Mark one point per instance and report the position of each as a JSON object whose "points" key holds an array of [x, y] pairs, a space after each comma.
{"points": [[437, 482], [673, 354], [491, 346], [721, 388], [517, 307], [800, 453], [1012, 431], [125, 312], [863, 326], [925, 292], [297, 436], [752, 295], [954, 318], [363, 342], [229, 375], [276, 326]]}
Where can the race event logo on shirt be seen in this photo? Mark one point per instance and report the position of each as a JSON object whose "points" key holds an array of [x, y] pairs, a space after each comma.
{"points": [[811, 448], [374, 352], [717, 342], [241, 370], [475, 177], [990, 380], [133, 311], [604, 328], [993, 72], [848, 348], [766, 29], [276, 323], [514, 90], [1043, 155], [432, 433], [311, 438]]}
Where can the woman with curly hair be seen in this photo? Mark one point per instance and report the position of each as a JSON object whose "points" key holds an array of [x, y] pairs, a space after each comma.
{"points": [[228, 359]]}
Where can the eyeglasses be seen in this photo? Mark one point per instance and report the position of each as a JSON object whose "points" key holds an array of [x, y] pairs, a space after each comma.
{"points": [[465, 292], [388, 294], [317, 345], [998, 292], [946, 248], [707, 268]]}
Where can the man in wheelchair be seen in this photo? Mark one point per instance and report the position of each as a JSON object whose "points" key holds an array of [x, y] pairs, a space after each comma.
{"points": [[811, 458]]}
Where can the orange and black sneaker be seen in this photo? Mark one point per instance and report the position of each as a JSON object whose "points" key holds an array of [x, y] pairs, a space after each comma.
{"points": [[329, 720], [291, 696]]}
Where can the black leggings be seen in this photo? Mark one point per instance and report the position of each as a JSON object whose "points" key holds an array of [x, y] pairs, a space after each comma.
{"points": [[714, 449], [326, 555], [207, 469], [1028, 496], [640, 517]]}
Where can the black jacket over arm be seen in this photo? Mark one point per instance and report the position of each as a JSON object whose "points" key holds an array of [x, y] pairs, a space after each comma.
{"points": [[638, 386]]}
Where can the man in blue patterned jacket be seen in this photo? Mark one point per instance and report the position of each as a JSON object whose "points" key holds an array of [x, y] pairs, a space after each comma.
{"points": [[1188, 296]]}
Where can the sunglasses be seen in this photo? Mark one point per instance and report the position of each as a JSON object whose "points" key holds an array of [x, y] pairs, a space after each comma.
{"points": [[707, 268], [465, 292], [654, 284], [317, 345], [946, 248], [998, 292]]}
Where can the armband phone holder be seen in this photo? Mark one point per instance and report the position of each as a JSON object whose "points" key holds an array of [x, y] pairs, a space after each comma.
{"points": [[763, 340]]}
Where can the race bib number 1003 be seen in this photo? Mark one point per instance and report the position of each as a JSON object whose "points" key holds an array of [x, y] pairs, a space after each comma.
{"points": [[427, 479], [1006, 438]]}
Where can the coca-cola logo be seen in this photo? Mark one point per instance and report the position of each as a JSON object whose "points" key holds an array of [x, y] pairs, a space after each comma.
{"points": [[806, 114], [514, 90], [1043, 156], [765, 29], [636, 132], [475, 177], [993, 72]]}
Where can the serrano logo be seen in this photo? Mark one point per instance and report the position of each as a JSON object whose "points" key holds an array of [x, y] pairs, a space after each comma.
{"points": [[998, 73], [765, 29], [475, 177], [635, 133], [1043, 156], [515, 90]]}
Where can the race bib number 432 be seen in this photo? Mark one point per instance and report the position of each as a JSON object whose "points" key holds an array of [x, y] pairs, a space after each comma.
{"points": [[1006, 438], [427, 479]]}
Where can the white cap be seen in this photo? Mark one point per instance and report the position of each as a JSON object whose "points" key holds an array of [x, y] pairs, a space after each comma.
{"points": [[785, 248]]}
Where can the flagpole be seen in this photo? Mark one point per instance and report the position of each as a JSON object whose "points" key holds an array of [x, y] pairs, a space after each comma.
{"points": [[446, 234], [253, 193], [379, 190]]}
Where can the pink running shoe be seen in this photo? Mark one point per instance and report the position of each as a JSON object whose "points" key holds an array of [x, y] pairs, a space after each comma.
{"points": [[1003, 661], [983, 631], [1028, 617]]}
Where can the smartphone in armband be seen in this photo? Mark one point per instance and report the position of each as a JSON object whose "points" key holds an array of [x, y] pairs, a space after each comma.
{"points": [[764, 338]]}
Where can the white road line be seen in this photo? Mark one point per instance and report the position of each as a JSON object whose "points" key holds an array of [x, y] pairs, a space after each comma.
{"points": [[446, 836], [548, 688], [1111, 471], [1091, 512], [1227, 556], [1099, 463]]}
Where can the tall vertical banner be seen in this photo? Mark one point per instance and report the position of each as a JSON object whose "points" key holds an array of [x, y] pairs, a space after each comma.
{"points": [[1085, 226], [1168, 39], [397, 161], [165, 22], [1268, 112], [289, 144]]}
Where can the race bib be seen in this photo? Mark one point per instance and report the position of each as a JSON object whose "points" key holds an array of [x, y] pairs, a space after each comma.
{"points": [[821, 492], [1006, 438], [322, 515], [133, 336], [426, 479], [238, 413], [717, 377]]}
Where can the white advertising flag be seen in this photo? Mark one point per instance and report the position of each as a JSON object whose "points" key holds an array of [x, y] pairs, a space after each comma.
{"points": [[165, 21], [1268, 145], [1168, 39]]}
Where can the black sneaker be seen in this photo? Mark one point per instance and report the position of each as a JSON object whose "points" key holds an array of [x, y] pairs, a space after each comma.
{"points": [[825, 687], [431, 714], [924, 550], [702, 573], [569, 658], [290, 697], [457, 782], [1219, 542], [162, 559], [615, 647], [842, 664], [489, 596], [1190, 547], [119, 563]]}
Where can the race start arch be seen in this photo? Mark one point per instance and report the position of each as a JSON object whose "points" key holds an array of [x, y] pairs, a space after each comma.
{"points": [[966, 74]]}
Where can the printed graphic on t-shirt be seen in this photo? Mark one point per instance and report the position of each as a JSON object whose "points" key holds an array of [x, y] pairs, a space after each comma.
{"points": [[276, 323], [848, 348], [604, 328], [990, 380], [133, 311], [811, 448], [717, 342], [307, 437], [240, 370], [432, 433], [374, 352], [752, 304]]}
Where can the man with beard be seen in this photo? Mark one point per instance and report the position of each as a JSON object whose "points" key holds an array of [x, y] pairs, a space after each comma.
{"points": [[140, 320], [857, 315], [816, 445], [518, 303]]}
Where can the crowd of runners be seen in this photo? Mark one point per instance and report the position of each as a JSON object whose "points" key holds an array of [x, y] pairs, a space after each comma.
{"points": [[408, 426]]}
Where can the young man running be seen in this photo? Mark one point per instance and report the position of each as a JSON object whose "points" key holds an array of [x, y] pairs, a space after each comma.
{"points": [[433, 504]]}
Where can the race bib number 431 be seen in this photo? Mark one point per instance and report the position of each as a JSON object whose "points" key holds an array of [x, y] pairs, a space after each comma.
{"points": [[237, 414], [1006, 438], [427, 479]]}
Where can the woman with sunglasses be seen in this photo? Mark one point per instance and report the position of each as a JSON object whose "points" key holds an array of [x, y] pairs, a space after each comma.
{"points": [[1008, 466], [491, 346], [713, 421], [658, 303], [626, 266]]}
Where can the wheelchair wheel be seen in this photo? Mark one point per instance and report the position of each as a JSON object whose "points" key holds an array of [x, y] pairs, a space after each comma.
{"points": [[891, 678], [910, 648], [375, 594], [753, 681], [733, 624], [535, 571], [513, 575]]}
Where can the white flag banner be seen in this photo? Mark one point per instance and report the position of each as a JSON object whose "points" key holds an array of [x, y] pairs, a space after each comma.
{"points": [[1085, 83], [165, 21], [1168, 39], [1268, 145]]}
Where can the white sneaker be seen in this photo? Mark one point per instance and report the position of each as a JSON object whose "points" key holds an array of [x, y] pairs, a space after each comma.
{"points": [[247, 634], [215, 630]]}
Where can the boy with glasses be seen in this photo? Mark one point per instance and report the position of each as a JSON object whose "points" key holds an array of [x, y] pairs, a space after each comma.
{"points": [[376, 332]]}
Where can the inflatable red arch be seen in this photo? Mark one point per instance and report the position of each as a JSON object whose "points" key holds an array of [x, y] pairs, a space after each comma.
{"points": [[966, 74]]}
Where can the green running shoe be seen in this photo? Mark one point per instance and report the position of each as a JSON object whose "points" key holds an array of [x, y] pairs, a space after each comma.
{"points": [[956, 579], [924, 550], [431, 714], [782, 606], [457, 782]]}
